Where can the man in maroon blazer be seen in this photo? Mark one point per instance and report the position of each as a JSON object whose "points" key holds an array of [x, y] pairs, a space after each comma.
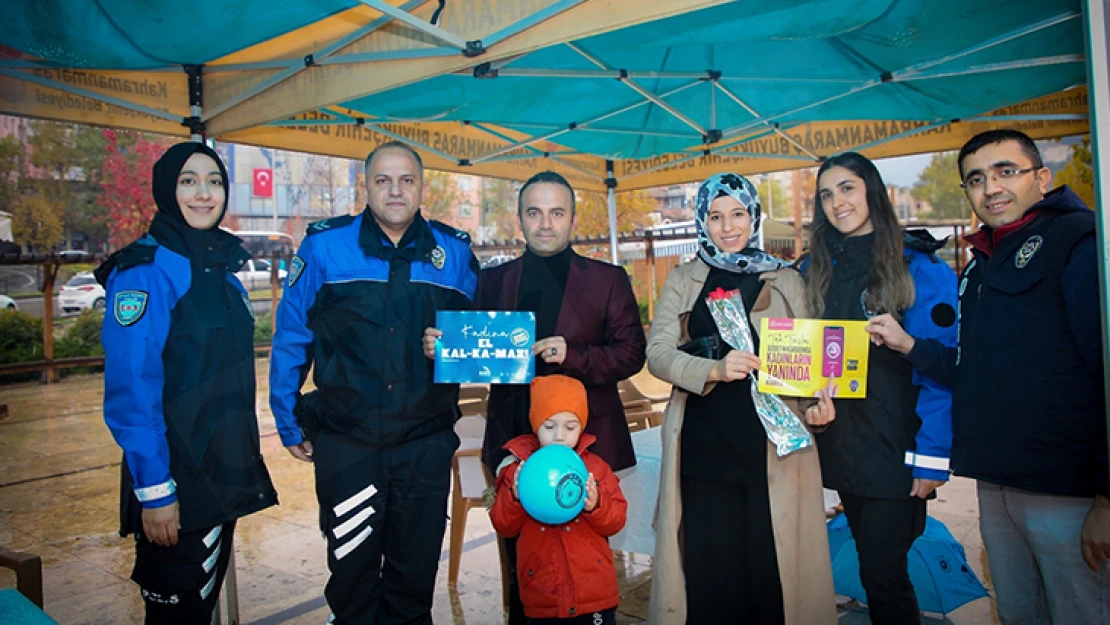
{"points": [[587, 323], [587, 327]]}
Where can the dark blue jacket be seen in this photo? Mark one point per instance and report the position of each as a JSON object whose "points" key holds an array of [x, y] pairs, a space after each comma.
{"points": [[179, 385], [903, 429], [355, 306], [1029, 408]]}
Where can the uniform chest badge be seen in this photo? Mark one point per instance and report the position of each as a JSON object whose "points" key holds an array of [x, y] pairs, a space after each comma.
{"points": [[129, 307], [296, 267], [1027, 250], [439, 257]]}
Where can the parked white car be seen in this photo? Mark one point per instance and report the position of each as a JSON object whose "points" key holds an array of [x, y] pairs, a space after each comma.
{"points": [[255, 274], [82, 292], [7, 303]]}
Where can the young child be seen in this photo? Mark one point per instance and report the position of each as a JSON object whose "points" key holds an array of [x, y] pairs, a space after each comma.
{"points": [[565, 572]]}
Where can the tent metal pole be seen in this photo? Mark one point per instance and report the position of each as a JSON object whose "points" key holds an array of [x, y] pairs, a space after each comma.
{"points": [[540, 72], [92, 95], [1062, 59], [651, 97], [196, 102], [735, 98], [575, 126], [614, 244], [524, 24], [256, 65], [990, 43], [907, 72], [293, 67], [615, 131], [406, 140], [519, 157], [415, 22], [735, 130], [1026, 118], [1096, 23], [396, 55], [570, 165]]}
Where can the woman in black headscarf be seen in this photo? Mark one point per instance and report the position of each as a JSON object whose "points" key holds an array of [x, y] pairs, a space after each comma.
{"points": [[179, 389]]}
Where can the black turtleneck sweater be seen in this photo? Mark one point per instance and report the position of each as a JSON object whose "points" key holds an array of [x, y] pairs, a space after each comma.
{"points": [[542, 284]]}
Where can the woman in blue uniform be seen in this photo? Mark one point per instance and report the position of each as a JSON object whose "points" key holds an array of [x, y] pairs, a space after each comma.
{"points": [[179, 389], [885, 454]]}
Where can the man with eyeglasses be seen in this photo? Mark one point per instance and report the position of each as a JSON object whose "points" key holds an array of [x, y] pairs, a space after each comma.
{"points": [[1028, 407]]}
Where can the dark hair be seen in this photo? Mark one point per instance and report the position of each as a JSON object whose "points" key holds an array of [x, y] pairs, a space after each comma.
{"points": [[992, 137], [395, 145], [890, 287], [548, 177]]}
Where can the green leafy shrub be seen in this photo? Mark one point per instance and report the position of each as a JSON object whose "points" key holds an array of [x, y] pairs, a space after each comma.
{"points": [[20, 341]]}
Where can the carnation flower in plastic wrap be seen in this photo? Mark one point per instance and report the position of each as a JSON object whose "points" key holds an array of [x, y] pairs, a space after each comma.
{"points": [[782, 426]]}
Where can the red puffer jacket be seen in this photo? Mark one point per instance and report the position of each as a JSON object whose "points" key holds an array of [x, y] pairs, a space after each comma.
{"points": [[563, 570]]}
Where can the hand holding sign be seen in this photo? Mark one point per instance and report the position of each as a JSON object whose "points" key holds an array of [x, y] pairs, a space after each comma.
{"points": [[429, 342], [737, 365], [885, 330]]}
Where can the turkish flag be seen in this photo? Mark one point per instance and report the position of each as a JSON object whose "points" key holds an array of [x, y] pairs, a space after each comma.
{"points": [[263, 183]]}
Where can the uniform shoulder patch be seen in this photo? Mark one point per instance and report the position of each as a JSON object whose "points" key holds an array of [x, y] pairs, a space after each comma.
{"points": [[296, 268], [462, 235], [317, 227], [129, 306]]}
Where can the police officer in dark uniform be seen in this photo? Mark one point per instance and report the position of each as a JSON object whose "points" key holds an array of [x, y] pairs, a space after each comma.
{"points": [[1028, 406], [887, 453], [359, 295], [179, 389]]}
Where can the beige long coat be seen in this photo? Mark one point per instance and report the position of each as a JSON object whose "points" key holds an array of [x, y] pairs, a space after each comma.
{"points": [[794, 482]]}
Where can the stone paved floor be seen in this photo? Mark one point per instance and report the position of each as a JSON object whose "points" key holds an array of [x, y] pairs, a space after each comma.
{"points": [[59, 481]]}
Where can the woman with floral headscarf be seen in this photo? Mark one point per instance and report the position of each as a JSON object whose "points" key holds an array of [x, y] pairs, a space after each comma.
{"points": [[740, 531]]}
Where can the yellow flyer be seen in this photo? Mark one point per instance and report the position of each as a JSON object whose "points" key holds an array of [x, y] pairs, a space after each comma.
{"points": [[801, 355]]}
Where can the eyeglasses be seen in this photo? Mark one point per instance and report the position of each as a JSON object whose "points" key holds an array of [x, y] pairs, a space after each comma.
{"points": [[976, 180]]}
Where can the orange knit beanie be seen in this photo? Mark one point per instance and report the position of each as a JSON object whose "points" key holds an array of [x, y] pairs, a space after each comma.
{"points": [[552, 394]]}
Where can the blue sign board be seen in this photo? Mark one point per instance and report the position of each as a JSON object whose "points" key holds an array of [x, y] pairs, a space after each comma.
{"points": [[485, 347]]}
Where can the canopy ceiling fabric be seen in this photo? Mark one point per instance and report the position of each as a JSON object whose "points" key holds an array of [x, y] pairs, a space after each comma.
{"points": [[670, 91]]}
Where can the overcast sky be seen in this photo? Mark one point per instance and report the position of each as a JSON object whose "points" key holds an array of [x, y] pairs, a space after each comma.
{"points": [[903, 170]]}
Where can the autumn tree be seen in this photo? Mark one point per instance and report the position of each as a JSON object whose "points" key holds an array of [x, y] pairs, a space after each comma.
{"points": [[125, 189], [633, 210], [36, 223], [325, 194], [772, 196], [939, 185], [441, 196], [1078, 174], [11, 167], [360, 192], [499, 218], [295, 227]]}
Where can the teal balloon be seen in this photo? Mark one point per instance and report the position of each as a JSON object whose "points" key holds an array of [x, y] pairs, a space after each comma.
{"points": [[552, 484]]}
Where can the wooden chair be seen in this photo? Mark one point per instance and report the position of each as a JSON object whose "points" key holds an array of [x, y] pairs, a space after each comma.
{"points": [[473, 399], [471, 480], [632, 395], [643, 419], [28, 573]]}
